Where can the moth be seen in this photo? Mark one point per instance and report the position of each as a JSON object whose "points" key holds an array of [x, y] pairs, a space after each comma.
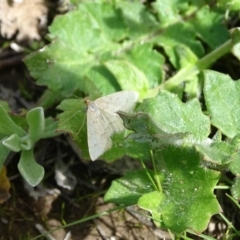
{"points": [[103, 120]]}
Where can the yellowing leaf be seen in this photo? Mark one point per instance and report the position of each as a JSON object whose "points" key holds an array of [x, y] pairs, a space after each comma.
{"points": [[4, 185]]}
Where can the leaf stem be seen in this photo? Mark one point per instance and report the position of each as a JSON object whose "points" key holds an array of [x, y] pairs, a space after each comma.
{"points": [[149, 175], [85, 219], [204, 63], [213, 56], [229, 224], [156, 176]]}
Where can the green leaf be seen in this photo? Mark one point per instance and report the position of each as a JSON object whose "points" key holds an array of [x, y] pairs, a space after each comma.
{"points": [[88, 38], [149, 61], [189, 201], [136, 18], [172, 116], [219, 153], [4, 153], [50, 128], [128, 75], [208, 25], [73, 121], [128, 189], [235, 35], [31, 171], [185, 57], [235, 189], [97, 86], [5, 105], [234, 165], [13, 143], [60, 70], [82, 39], [151, 202], [123, 145], [175, 44], [98, 24], [222, 96], [167, 11], [232, 5], [107, 18], [7, 125], [148, 134], [36, 121]]}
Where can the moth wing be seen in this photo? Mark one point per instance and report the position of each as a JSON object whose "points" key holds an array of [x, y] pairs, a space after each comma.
{"points": [[123, 100], [103, 121], [99, 131]]}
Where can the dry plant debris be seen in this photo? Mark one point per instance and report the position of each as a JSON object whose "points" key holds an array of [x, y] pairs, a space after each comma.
{"points": [[23, 18]]}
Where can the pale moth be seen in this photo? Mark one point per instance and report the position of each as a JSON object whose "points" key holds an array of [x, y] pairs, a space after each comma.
{"points": [[103, 120]]}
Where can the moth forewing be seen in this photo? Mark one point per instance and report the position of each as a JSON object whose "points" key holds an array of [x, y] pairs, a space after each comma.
{"points": [[103, 120]]}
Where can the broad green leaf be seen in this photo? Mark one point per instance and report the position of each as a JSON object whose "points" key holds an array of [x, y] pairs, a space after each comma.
{"points": [[172, 116], [189, 201], [97, 86], [107, 18], [90, 34], [60, 70], [73, 121], [149, 61], [88, 38], [7, 125], [185, 57], [31, 171], [167, 11], [148, 133], [222, 96], [97, 19], [151, 202], [128, 189], [136, 18], [219, 153], [175, 44], [123, 145], [128, 75], [82, 39], [209, 27], [36, 121]]}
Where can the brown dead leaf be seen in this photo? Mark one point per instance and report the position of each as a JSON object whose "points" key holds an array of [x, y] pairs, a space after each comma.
{"points": [[4, 185], [24, 18]]}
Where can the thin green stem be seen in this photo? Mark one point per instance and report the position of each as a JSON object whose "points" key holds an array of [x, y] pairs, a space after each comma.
{"points": [[236, 202], [213, 56], [155, 173], [149, 175], [80, 221], [191, 71], [229, 224], [200, 235]]}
